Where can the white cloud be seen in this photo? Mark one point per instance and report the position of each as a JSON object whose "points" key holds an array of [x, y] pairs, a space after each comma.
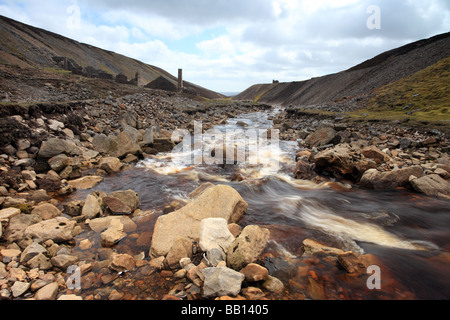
{"points": [[257, 41]]}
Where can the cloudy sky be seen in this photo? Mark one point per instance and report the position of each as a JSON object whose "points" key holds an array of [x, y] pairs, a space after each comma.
{"points": [[228, 45]]}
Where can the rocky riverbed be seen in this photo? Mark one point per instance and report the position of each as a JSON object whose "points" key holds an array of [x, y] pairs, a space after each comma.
{"points": [[380, 156], [51, 149], [196, 249]]}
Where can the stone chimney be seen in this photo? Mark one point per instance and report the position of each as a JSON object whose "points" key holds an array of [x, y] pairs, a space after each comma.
{"points": [[180, 80]]}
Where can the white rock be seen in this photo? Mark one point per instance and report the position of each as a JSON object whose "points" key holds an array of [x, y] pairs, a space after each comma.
{"points": [[55, 125], [222, 282], [214, 233], [69, 297]]}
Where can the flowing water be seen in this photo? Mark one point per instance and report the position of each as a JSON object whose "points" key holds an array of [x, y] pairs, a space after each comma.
{"points": [[407, 233]]}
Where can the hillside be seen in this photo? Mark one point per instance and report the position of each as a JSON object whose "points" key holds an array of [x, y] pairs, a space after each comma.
{"points": [[27, 46], [357, 82], [421, 97]]}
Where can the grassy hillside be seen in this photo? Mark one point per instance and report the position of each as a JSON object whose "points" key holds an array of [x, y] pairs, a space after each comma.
{"points": [[421, 99], [424, 95], [358, 81]]}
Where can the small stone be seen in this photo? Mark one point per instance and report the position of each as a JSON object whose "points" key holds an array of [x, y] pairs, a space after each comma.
{"points": [[17, 274], [182, 248], [46, 211], [40, 262], [63, 261], [23, 144], [58, 162], [59, 229], [180, 274], [8, 213], [69, 133], [254, 272], [273, 284], [122, 262], [91, 207], [112, 235], [157, 263], [55, 125], [10, 253], [431, 185], [215, 256], [31, 251], [86, 182], [19, 288], [85, 244], [115, 295], [5, 294], [221, 282], [252, 293], [184, 262], [235, 229], [314, 247]]}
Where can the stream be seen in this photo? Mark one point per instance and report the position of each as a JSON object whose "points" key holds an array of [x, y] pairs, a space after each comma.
{"points": [[407, 233]]}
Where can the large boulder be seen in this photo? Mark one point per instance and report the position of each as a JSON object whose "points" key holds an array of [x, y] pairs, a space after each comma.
{"points": [[376, 154], [54, 147], [59, 230], [374, 179], [247, 247], [118, 146], [17, 226], [432, 185], [342, 161], [126, 144], [304, 170], [104, 144], [111, 165], [59, 162], [217, 202], [46, 211], [322, 137]]}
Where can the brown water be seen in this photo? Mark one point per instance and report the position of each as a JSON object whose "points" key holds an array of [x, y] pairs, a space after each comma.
{"points": [[408, 233]]}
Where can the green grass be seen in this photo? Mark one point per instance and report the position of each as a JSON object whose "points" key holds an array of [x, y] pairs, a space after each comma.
{"points": [[423, 96], [419, 100]]}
